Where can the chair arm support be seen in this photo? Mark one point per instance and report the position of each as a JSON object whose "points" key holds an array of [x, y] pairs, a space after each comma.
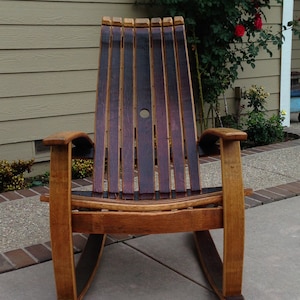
{"points": [[207, 142], [83, 145]]}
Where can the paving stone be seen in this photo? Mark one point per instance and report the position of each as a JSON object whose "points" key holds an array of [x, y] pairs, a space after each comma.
{"points": [[282, 191], [82, 182], [41, 189], [250, 202], [5, 265], [270, 194], [20, 258], [293, 187], [79, 242], [40, 252], [11, 195], [27, 193], [2, 199], [260, 198]]}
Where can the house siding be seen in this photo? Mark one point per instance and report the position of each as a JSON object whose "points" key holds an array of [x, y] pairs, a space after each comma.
{"points": [[296, 42], [48, 69]]}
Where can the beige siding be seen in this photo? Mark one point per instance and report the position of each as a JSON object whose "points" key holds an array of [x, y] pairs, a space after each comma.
{"points": [[48, 62], [296, 41], [48, 68]]}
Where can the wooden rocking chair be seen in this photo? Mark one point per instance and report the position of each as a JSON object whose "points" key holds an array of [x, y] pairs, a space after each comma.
{"points": [[146, 161]]}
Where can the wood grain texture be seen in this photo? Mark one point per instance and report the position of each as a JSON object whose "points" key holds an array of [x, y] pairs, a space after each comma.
{"points": [[234, 217], [60, 222], [145, 146], [145, 131], [150, 223], [160, 103], [113, 159], [128, 152], [101, 109], [187, 104], [175, 117]]}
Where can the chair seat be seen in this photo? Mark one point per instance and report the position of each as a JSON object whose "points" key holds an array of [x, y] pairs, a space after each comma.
{"points": [[88, 200]]}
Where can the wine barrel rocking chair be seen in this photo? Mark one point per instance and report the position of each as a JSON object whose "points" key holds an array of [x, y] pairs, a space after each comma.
{"points": [[146, 161]]}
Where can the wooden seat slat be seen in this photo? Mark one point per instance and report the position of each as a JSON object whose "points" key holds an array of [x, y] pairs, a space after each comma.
{"points": [[162, 133], [188, 116], [101, 109], [144, 140], [175, 117], [128, 118], [114, 107]]}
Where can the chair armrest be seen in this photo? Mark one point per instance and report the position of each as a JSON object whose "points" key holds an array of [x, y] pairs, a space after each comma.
{"points": [[208, 141], [64, 138], [83, 145]]}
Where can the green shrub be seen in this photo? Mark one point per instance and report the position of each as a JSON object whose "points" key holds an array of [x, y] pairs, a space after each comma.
{"points": [[12, 174], [82, 168], [262, 130]]}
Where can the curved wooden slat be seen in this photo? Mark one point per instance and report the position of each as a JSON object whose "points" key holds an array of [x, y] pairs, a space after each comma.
{"points": [[212, 265], [146, 205], [88, 263], [144, 114], [174, 105], [113, 155], [147, 223], [101, 107], [160, 100]]}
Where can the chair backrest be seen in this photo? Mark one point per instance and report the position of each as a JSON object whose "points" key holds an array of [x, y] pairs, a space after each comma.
{"points": [[145, 135]]}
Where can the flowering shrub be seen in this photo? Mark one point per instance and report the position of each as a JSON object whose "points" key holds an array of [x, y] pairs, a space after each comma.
{"points": [[256, 97], [12, 174], [262, 130], [258, 22], [82, 168], [239, 30], [224, 35]]}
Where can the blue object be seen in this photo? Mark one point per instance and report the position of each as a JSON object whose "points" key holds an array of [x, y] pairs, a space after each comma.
{"points": [[295, 104], [295, 93]]}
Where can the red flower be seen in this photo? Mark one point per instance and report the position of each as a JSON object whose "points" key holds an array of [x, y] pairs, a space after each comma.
{"points": [[239, 30], [258, 22]]}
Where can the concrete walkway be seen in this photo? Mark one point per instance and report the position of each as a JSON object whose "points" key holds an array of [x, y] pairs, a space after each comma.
{"points": [[165, 266]]}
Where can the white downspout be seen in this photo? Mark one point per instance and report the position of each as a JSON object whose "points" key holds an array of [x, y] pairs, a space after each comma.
{"points": [[286, 59]]}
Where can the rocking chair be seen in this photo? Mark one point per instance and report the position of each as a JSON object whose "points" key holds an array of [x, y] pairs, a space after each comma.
{"points": [[146, 161]]}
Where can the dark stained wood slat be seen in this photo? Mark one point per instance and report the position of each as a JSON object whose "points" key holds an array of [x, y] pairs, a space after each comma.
{"points": [[145, 149], [128, 120], [113, 137], [174, 110], [187, 101], [101, 108], [162, 135]]}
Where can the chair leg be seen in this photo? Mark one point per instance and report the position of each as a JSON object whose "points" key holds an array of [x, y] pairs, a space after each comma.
{"points": [[88, 263], [73, 282], [212, 265]]}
